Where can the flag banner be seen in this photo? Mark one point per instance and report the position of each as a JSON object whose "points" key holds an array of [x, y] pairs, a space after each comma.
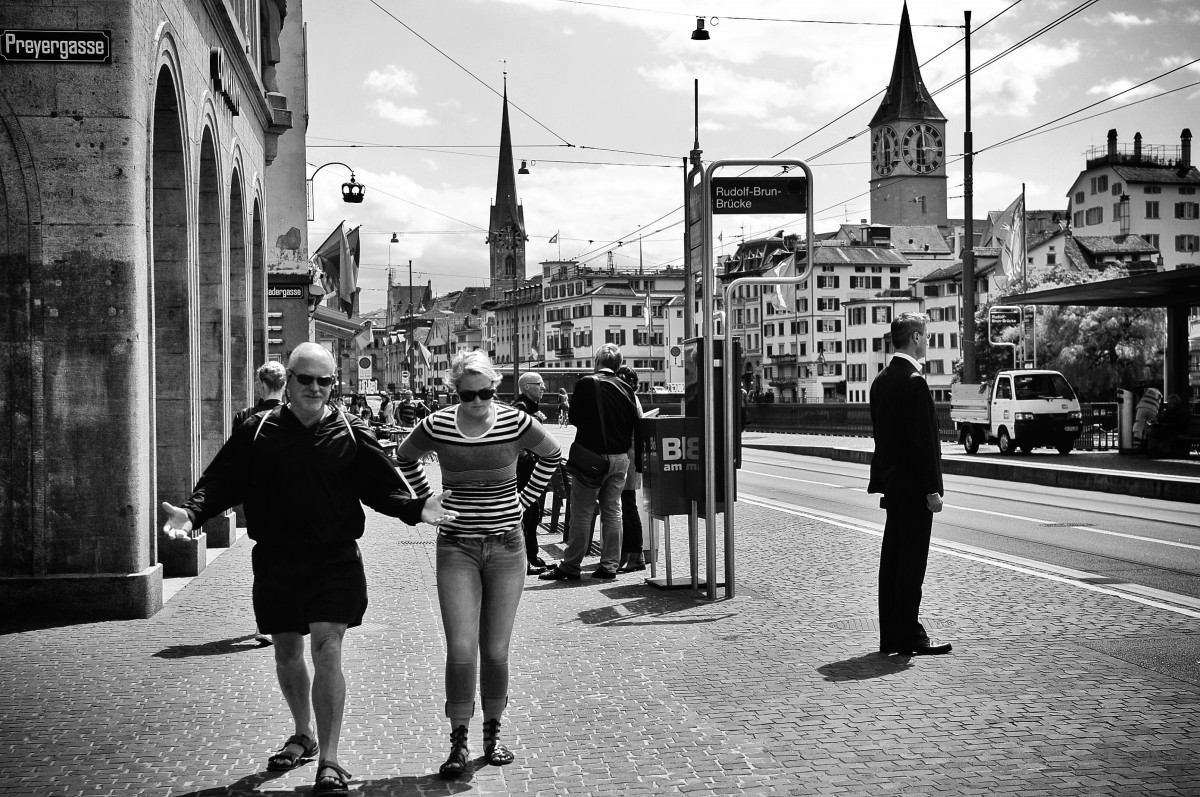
{"points": [[424, 353], [364, 337], [783, 297], [554, 238], [1011, 235], [348, 283]]}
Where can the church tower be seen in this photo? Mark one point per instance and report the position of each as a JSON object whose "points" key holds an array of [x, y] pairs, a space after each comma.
{"points": [[506, 228], [908, 145]]}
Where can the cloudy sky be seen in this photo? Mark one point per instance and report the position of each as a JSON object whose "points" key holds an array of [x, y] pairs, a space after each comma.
{"points": [[421, 80]]}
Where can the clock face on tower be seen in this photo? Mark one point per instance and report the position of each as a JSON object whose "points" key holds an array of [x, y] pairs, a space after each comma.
{"points": [[885, 150], [922, 148]]}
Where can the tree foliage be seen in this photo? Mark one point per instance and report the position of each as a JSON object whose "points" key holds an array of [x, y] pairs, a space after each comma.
{"points": [[1098, 349]]}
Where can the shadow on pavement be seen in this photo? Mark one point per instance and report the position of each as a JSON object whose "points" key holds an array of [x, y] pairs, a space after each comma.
{"points": [[862, 668], [249, 785], [218, 648], [257, 785], [646, 605]]}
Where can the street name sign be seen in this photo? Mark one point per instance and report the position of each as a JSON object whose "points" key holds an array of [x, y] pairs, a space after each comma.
{"points": [[759, 195], [1000, 319], [56, 46]]}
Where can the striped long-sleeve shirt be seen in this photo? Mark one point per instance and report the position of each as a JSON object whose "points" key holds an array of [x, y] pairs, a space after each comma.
{"points": [[481, 472]]}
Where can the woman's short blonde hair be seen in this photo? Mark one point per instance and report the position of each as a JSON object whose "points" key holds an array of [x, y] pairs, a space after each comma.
{"points": [[470, 362]]}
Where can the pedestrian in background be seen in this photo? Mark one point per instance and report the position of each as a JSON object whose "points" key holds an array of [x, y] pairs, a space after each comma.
{"points": [[1145, 413], [632, 543], [564, 407], [270, 381], [481, 557], [303, 471], [600, 395], [907, 469], [531, 388]]}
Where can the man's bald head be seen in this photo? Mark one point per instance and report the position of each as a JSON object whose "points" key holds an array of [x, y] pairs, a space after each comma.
{"points": [[308, 355]]}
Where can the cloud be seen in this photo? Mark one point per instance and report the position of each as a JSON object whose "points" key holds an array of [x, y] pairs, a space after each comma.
{"points": [[1012, 85], [406, 117], [1128, 20], [728, 92], [390, 80], [1119, 85]]}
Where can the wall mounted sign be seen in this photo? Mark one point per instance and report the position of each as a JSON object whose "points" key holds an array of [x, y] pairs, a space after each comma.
{"points": [[56, 46], [224, 82], [296, 292]]}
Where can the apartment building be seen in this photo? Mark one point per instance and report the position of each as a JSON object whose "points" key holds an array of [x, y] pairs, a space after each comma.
{"points": [[1146, 190]]}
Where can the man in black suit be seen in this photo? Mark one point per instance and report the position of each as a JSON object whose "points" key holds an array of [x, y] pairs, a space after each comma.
{"points": [[907, 469]]}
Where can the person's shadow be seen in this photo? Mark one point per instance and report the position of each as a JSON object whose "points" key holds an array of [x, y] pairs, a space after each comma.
{"points": [[218, 647], [862, 668], [400, 786]]}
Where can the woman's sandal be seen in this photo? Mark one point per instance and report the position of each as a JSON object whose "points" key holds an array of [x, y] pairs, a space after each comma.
{"points": [[336, 783], [284, 760], [456, 764], [496, 754]]}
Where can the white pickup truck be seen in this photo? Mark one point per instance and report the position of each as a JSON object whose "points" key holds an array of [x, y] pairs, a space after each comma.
{"points": [[1019, 409]]}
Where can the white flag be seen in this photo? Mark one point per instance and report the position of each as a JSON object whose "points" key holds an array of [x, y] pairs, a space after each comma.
{"points": [[554, 238], [1011, 235], [783, 298]]}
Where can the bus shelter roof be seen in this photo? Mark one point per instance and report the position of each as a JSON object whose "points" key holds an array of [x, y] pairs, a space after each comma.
{"points": [[1160, 289]]}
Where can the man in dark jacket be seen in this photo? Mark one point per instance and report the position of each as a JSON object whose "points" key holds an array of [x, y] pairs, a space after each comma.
{"points": [[907, 469], [531, 388], [611, 439], [271, 379], [303, 471]]}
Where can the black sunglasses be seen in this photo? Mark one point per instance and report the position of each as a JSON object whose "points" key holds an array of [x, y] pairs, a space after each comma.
{"points": [[307, 379], [469, 395]]}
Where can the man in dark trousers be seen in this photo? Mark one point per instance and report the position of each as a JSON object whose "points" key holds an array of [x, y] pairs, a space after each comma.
{"points": [[531, 387], [907, 469], [611, 439]]}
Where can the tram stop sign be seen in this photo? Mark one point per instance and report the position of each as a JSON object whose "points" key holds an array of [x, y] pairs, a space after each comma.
{"points": [[759, 195], [1000, 319]]}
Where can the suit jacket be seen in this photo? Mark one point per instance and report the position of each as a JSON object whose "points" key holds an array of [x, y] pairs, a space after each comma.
{"points": [[907, 462]]}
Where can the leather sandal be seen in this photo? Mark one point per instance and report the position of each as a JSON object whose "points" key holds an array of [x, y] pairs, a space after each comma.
{"points": [[335, 783], [456, 764], [496, 754], [285, 760]]}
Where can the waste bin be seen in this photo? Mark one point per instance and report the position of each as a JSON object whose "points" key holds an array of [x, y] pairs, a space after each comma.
{"points": [[671, 449], [1124, 421]]}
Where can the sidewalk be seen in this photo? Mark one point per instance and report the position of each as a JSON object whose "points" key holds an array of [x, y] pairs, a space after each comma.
{"points": [[622, 689]]}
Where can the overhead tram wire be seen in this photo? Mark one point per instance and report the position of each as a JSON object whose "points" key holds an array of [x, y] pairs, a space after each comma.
{"points": [[744, 19], [482, 82]]}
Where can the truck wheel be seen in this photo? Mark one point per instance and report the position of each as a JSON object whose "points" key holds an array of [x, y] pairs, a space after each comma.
{"points": [[1006, 443], [970, 440], [1066, 446]]}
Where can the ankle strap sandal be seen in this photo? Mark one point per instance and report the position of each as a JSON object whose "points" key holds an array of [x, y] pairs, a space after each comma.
{"points": [[496, 754]]}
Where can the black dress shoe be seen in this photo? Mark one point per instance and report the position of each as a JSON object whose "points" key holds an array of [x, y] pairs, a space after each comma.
{"points": [[534, 570], [603, 572], [557, 574], [926, 650]]}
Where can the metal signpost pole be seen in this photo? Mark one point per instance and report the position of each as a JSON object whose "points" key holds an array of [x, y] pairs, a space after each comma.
{"points": [[730, 405]]}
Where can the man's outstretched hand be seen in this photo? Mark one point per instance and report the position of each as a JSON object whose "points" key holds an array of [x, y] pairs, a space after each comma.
{"points": [[433, 511], [179, 522]]}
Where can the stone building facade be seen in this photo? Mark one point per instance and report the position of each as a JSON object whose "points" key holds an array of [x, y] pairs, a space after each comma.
{"points": [[133, 254]]}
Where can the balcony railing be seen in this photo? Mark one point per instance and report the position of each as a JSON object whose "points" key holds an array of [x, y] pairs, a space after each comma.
{"points": [[564, 354], [782, 359]]}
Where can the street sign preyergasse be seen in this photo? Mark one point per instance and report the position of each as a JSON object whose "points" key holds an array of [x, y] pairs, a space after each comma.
{"points": [[56, 46], [759, 195]]}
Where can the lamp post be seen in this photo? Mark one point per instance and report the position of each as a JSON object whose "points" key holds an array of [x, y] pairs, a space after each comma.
{"points": [[412, 343]]}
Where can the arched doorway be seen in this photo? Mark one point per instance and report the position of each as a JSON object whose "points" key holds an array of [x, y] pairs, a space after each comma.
{"points": [[241, 391], [212, 299], [174, 436]]}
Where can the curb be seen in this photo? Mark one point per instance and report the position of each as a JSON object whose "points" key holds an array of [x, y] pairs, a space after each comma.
{"points": [[1166, 488]]}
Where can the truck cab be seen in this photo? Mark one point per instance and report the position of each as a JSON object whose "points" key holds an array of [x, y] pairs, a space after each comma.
{"points": [[1023, 409]]}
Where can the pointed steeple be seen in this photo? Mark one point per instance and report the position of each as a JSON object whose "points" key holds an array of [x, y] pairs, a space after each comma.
{"points": [[907, 97], [506, 178]]}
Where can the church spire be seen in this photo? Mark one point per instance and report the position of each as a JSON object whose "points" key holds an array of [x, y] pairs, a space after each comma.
{"points": [[506, 179], [907, 97]]}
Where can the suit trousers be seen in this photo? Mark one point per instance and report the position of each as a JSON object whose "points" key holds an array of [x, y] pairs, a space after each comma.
{"points": [[531, 518], [902, 561]]}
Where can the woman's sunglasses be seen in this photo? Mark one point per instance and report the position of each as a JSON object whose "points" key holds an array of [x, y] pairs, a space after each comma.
{"points": [[469, 395], [307, 379]]}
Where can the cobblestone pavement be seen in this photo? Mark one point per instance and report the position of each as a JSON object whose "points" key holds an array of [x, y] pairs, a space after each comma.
{"points": [[624, 689]]}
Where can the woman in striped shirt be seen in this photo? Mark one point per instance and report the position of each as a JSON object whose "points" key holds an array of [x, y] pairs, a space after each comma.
{"points": [[481, 553]]}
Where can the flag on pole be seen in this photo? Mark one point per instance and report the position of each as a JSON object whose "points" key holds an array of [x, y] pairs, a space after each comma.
{"points": [[783, 297], [1011, 236], [554, 238], [424, 353], [364, 337], [338, 259], [348, 284]]}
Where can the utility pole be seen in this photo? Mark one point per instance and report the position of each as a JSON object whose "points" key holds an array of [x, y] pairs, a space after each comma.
{"points": [[968, 253], [412, 343]]}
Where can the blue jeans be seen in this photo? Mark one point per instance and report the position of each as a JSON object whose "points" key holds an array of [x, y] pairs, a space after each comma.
{"points": [[479, 581], [583, 499]]}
